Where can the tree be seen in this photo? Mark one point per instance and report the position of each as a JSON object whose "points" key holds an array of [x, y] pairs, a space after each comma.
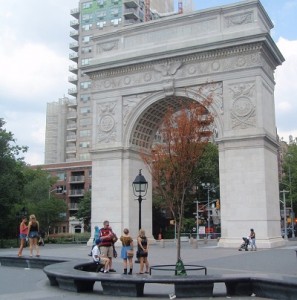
{"points": [[11, 177], [84, 210], [48, 209], [289, 179], [172, 163]]}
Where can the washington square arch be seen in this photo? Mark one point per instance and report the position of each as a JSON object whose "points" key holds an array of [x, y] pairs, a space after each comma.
{"points": [[138, 70]]}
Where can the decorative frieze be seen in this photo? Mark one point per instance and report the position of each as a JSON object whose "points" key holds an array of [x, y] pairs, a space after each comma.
{"points": [[168, 71]]}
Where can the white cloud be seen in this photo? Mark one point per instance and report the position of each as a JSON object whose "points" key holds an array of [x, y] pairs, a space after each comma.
{"points": [[286, 89], [32, 70]]}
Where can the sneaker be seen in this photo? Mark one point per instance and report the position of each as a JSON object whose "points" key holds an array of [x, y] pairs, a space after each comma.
{"points": [[112, 270], [106, 271]]}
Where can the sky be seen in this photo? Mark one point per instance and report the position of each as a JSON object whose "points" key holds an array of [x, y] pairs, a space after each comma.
{"points": [[34, 60]]}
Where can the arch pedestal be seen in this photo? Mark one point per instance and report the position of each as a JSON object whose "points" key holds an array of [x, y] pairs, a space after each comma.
{"points": [[225, 54]]}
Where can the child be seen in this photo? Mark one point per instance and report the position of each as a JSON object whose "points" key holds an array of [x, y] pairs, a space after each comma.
{"points": [[97, 257]]}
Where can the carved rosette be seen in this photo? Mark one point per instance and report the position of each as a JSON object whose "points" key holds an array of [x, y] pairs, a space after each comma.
{"points": [[243, 110], [106, 128]]}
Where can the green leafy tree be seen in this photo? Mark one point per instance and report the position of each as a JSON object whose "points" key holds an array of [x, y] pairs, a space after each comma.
{"points": [[84, 211], [289, 178], [11, 178], [49, 209]]}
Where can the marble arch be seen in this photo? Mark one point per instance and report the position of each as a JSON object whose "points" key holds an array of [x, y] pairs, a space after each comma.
{"points": [[136, 70]]}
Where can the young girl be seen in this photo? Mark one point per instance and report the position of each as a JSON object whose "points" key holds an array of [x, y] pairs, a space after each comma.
{"points": [[23, 235], [127, 243], [33, 234]]}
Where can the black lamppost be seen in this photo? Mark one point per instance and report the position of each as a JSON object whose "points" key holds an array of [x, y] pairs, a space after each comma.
{"points": [[19, 215], [139, 190]]}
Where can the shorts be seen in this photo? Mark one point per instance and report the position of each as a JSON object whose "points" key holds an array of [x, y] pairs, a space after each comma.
{"points": [[107, 251], [33, 234], [23, 236]]}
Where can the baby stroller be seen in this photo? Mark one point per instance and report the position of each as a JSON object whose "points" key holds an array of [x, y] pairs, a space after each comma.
{"points": [[244, 245]]}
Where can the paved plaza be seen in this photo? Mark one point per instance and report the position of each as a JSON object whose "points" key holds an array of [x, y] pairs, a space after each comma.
{"points": [[18, 283]]}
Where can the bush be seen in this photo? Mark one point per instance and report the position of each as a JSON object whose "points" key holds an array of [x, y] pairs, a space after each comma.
{"points": [[68, 238]]}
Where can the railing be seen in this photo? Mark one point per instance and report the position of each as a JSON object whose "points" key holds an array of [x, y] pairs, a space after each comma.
{"points": [[77, 178]]}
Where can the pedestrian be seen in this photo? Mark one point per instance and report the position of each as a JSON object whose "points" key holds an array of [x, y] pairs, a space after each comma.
{"points": [[23, 235], [127, 247], [96, 237], [252, 237], [100, 258], [107, 239], [33, 234], [142, 249]]}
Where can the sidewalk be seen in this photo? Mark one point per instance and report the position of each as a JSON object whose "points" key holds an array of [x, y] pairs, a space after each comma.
{"points": [[28, 284]]}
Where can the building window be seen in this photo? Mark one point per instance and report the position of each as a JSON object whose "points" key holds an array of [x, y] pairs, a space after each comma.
{"points": [[84, 156], [86, 50], [116, 22], [85, 122], [84, 145], [85, 61], [90, 173], [87, 27], [87, 18], [86, 38], [84, 133], [101, 24], [85, 110], [101, 15], [85, 98], [87, 5], [61, 176], [85, 85]]}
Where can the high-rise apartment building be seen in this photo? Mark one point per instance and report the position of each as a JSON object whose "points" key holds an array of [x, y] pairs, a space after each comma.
{"points": [[69, 121]]}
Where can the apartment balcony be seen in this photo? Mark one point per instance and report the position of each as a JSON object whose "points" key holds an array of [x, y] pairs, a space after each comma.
{"points": [[130, 3], [73, 69], [72, 92], [71, 126], [74, 57], [75, 13], [74, 46], [74, 34], [74, 24], [71, 115], [73, 206], [77, 179], [72, 103], [70, 149], [73, 80], [130, 13], [76, 193], [71, 138]]}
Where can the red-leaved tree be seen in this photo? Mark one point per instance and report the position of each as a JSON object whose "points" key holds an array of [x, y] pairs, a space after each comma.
{"points": [[172, 162]]}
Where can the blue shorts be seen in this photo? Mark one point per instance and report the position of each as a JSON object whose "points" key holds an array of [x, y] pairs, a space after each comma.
{"points": [[33, 234], [23, 236]]}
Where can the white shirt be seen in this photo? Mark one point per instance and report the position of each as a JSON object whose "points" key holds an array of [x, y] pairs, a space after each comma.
{"points": [[96, 254]]}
